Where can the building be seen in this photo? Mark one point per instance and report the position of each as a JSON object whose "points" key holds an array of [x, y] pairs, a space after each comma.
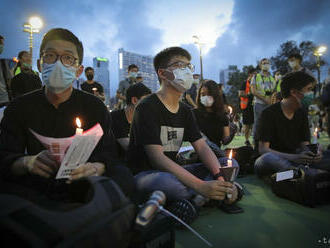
{"points": [[102, 75], [224, 76], [145, 64]]}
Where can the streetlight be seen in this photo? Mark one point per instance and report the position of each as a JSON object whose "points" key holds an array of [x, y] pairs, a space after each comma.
{"points": [[33, 26], [319, 51], [197, 42]]}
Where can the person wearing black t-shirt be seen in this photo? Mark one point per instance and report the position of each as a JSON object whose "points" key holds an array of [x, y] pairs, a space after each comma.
{"points": [[210, 114], [160, 124], [122, 118], [92, 86], [283, 131], [51, 112]]}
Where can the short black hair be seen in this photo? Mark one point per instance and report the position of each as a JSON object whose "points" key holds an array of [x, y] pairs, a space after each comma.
{"points": [[251, 70], [130, 67], [136, 90], [263, 60], [1, 37], [163, 57], [295, 80], [296, 56], [89, 69], [21, 54], [63, 34]]}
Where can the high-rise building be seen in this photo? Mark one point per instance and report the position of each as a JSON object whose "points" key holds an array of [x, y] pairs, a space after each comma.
{"points": [[102, 75], [224, 76], [145, 64]]}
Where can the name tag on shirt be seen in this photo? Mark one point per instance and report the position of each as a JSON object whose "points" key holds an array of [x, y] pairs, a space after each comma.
{"points": [[285, 175]]}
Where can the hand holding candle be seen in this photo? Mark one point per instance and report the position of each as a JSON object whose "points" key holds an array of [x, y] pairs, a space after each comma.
{"points": [[229, 161], [79, 130]]}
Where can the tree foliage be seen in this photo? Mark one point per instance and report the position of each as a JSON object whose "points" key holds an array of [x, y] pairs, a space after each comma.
{"points": [[305, 49], [235, 81]]}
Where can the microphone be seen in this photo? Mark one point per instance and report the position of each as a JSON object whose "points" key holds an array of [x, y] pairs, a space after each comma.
{"points": [[150, 208]]}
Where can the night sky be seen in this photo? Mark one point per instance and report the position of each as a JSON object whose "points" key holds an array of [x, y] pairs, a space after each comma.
{"points": [[234, 32]]}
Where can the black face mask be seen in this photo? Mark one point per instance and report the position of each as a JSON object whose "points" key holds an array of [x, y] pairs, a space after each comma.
{"points": [[90, 76]]}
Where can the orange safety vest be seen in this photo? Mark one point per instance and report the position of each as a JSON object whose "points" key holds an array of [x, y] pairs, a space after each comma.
{"points": [[245, 100]]}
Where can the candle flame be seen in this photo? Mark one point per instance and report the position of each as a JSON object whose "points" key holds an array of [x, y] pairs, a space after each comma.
{"points": [[95, 89], [315, 130], [78, 122], [230, 109], [231, 154], [15, 59]]}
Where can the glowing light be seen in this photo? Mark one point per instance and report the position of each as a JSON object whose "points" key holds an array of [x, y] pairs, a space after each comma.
{"points": [[230, 109], [78, 122], [35, 22], [231, 154]]}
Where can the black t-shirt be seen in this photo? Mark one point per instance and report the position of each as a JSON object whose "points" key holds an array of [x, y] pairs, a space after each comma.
{"points": [[250, 96], [283, 134], [154, 124], [120, 128], [211, 125], [89, 87], [34, 111]]}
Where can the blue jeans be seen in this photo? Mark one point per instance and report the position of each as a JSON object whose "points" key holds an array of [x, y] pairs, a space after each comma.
{"points": [[270, 163], [174, 189], [257, 110]]}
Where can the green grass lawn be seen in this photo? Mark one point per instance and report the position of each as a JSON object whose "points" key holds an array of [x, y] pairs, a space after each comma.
{"points": [[239, 140]]}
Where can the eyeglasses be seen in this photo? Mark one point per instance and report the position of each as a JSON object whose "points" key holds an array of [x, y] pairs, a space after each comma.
{"points": [[182, 65], [51, 57]]}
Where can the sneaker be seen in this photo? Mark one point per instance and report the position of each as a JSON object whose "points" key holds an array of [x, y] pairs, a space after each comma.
{"points": [[184, 210]]}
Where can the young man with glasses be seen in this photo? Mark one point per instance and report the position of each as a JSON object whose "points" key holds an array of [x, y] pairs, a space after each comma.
{"points": [[160, 124], [51, 111]]}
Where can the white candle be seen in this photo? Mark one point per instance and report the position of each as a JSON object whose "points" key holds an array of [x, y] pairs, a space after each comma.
{"points": [[79, 130], [314, 141]]}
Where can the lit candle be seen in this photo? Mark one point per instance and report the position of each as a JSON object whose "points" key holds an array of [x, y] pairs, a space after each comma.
{"points": [[230, 109], [229, 161], [79, 130], [94, 90], [314, 141]]}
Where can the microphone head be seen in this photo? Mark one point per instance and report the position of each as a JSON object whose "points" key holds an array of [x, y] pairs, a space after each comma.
{"points": [[158, 196]]}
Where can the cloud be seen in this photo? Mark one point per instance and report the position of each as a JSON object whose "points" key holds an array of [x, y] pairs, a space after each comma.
{"points": [[180, 20], [259, 27]]}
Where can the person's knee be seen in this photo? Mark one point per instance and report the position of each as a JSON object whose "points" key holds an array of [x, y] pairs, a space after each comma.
{"points": [[163, 181]]}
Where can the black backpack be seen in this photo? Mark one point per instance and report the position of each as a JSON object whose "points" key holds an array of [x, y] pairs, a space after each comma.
{"points": [[311, 188], [104, 217]]}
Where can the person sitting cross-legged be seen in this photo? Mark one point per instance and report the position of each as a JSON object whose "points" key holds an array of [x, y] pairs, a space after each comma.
{"points": [[283, 131], [160, 124]]}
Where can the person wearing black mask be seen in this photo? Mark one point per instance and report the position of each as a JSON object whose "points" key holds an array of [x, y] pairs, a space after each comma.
{"points": [[92, 86]]}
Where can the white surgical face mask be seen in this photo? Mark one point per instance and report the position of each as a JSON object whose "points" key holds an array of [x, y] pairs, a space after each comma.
{"points": [[265, 67], [183, 79], [57, 77], [207, 101], [292, 64], [132, 74]]}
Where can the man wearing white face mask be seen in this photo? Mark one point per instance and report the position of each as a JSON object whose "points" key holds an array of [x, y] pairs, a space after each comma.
{"points": [[294, 61], [128, 81], [160, 124], [262, 87], [51, 111]]}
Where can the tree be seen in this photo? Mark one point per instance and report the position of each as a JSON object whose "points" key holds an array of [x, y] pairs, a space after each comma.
{"points": [[305, 49], [235, 81]]}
